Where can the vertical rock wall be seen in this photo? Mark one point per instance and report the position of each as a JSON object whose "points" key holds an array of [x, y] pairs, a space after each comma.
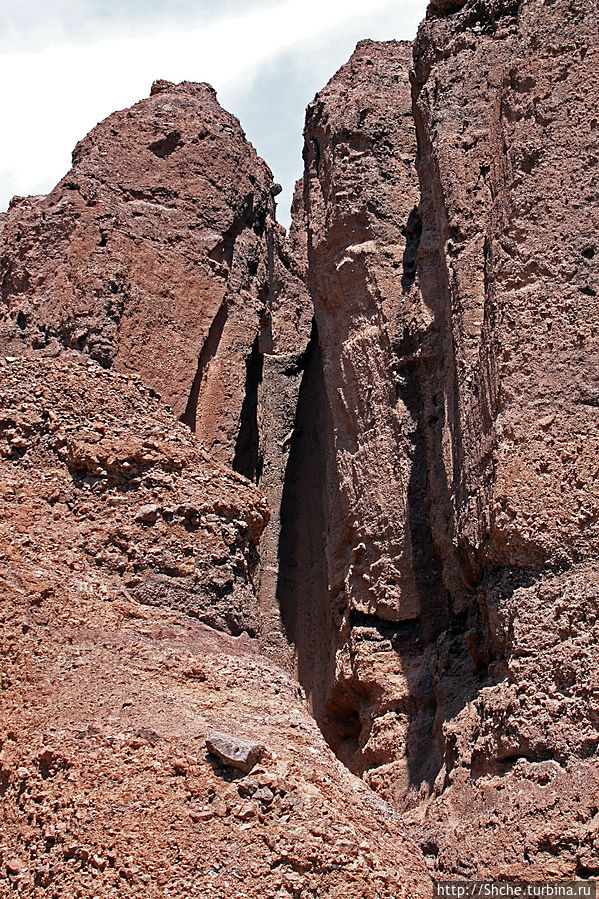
{"points": [[285, 356], [411, 379], [505, 98], [384, 589], [451, 239]]}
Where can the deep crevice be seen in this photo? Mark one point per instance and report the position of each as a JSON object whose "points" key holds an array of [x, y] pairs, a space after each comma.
{"points": [[412, 232], [247, 460], [207, 353], [302, 586]]}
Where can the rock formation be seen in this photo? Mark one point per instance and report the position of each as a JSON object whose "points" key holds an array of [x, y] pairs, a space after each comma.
{"points": [[151, 256], [454, 287], [158, 254], [382, 580], [512, 281], [409, 379], [107, 701]]}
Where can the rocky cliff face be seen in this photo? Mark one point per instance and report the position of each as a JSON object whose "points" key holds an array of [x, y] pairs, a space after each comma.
{"points": [[155, 272], [410, 380], [382, 580], [151, 256], [504, 180], [158, 254], [454, 292]]}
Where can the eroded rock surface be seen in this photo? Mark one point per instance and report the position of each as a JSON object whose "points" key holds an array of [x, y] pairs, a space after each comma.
{"points": [[382, 581], [510, 275], [151, 256], [141, 496], [452, 269], [107, 701], [422, 550], [159, 254]]}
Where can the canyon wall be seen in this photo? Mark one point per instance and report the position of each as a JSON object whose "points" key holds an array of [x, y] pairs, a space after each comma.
{"points": [[505, 101], [159, 255], [131, 621], [450, 201], [383, 583]]}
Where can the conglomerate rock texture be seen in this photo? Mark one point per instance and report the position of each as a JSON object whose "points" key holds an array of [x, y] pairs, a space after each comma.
{"points": [[105, 782], [409, 379]]}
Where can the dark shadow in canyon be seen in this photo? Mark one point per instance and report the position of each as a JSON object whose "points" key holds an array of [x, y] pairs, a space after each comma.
{"points": [[424, 757], [412, 232], [447, 583], [247, 459], [302, 586]]}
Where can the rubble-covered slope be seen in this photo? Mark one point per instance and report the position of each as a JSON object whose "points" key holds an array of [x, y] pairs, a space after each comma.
{"points": [[107, 700]]}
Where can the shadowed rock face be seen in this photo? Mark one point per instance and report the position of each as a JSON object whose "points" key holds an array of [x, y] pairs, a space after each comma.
{"points": [[383, 586], [410, 378]]}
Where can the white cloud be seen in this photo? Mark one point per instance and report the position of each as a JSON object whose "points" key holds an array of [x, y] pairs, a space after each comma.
{"points": [[271, 104], [59, 93]]}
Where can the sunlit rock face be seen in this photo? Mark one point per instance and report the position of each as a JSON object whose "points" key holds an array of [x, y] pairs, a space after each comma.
{"points": [[151, 256], [453, 277]]}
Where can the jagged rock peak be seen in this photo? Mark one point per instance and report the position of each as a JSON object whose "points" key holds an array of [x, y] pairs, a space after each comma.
{"points": [[153, 254], [161, 85]]}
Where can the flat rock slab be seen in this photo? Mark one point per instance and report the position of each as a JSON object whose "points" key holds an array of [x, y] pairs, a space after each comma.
{"points": [[233, 751]]}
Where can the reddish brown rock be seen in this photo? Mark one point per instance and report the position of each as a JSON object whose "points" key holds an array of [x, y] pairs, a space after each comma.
{"points": [[130, 488], [373, 694], [457, 329], [283, 363], [428, 449], [159, 254], [510, 215], [151, 256], [107, 702]]}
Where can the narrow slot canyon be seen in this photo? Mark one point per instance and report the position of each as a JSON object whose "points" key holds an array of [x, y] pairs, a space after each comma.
{"points": [[392, 585], [302, 592]]}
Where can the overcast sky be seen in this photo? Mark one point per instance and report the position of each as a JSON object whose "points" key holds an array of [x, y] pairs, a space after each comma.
{"points": [[67, 64]]}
